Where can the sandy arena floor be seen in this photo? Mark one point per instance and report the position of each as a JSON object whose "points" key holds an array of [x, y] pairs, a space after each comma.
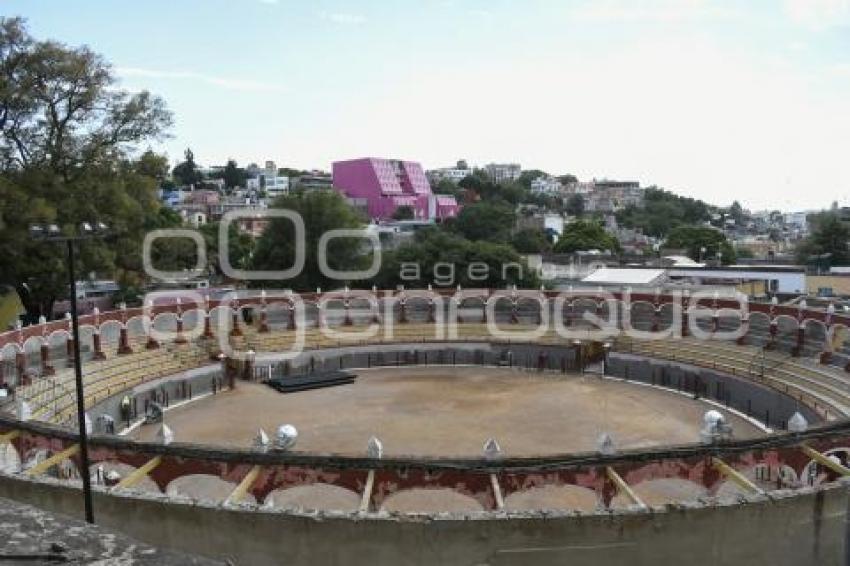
{"points": [[437, 411]]}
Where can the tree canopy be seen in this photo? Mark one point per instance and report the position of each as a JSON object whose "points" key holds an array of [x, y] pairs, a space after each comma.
{"points": [[694, 238], [60, 108], [736, 211], [663, 211], [321, 211], [529, 175], [233, 175], [481, 183], [445, 259], [827, 244], [530, 241], [485, 220], [584, 235], [186, 172], [67, 138]]}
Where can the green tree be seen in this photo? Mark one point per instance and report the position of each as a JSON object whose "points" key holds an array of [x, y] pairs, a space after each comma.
{"points": [[67, 132], [321, 211], [575, 205], [186, 172], [446, 187], [233, 176], [153, 165], [736, 211], [444, 259], [403, 212], [513, 193], [663, 211], [529, 175], [693, 239], [827, 244], [530, 241], [240, 246], [485, 220], [480, 183], [475, 181], [584, 235]]}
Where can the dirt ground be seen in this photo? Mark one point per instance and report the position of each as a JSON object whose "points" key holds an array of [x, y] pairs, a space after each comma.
{"points": [[438, 411]]}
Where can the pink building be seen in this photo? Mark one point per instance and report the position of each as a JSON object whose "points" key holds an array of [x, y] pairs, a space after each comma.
{"points": [[386, 184]]}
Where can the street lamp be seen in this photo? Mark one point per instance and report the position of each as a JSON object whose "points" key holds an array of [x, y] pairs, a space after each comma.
{"points": [[86, 231], [702, 251]]}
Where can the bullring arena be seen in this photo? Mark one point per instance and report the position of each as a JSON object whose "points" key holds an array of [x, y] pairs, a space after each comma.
{"points": [[548, 442]]}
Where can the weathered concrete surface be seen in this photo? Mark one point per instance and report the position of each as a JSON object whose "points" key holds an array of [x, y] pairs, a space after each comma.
{"points": [[29, 535], [801, 527]]}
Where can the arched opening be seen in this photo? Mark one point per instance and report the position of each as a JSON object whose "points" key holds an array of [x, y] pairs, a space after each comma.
{"points": [[430, 500], [204, 487], [565, 497], [316, 496], [662, 491]]}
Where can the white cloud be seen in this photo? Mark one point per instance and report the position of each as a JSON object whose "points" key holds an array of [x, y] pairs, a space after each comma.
{"points": [[818, 15], [343, 18], [270, 2], [243, 85]]}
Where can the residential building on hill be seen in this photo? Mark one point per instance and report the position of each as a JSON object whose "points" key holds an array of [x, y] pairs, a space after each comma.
{"points": [[546, 185], [454, 174], [315, 180], [267, 179], [503, 172]]}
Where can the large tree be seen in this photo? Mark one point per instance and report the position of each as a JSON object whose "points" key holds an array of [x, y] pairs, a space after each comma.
{"points": [[529, 175], [233, 175], [530, 241], [663, 211], [321, 212], [736, 211], [186, 172], [585, 235], [827, 244], [693, 239], [486, 220], [153, 165], [480, 183], [67, 134], [445, 259]]}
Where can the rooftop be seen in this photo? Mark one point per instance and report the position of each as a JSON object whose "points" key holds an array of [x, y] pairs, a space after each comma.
{"points": [[626, 276]]}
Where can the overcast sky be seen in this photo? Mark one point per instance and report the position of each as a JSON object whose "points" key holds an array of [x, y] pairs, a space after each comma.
{"points": [[717, 100]]}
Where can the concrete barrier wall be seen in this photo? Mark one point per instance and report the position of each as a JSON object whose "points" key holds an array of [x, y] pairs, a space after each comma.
{"points": [[764, 404], [184, 386], [804, 527], [196, 382]]}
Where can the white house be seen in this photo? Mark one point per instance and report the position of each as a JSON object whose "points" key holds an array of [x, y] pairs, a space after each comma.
{"points": [[546, 186], [268, 179]]}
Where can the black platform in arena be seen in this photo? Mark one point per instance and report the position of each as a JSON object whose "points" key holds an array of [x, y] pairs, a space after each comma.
{"points": [[291, 384]]}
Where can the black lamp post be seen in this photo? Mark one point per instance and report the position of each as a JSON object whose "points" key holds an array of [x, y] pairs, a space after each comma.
{"points": [[87, 231]]}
